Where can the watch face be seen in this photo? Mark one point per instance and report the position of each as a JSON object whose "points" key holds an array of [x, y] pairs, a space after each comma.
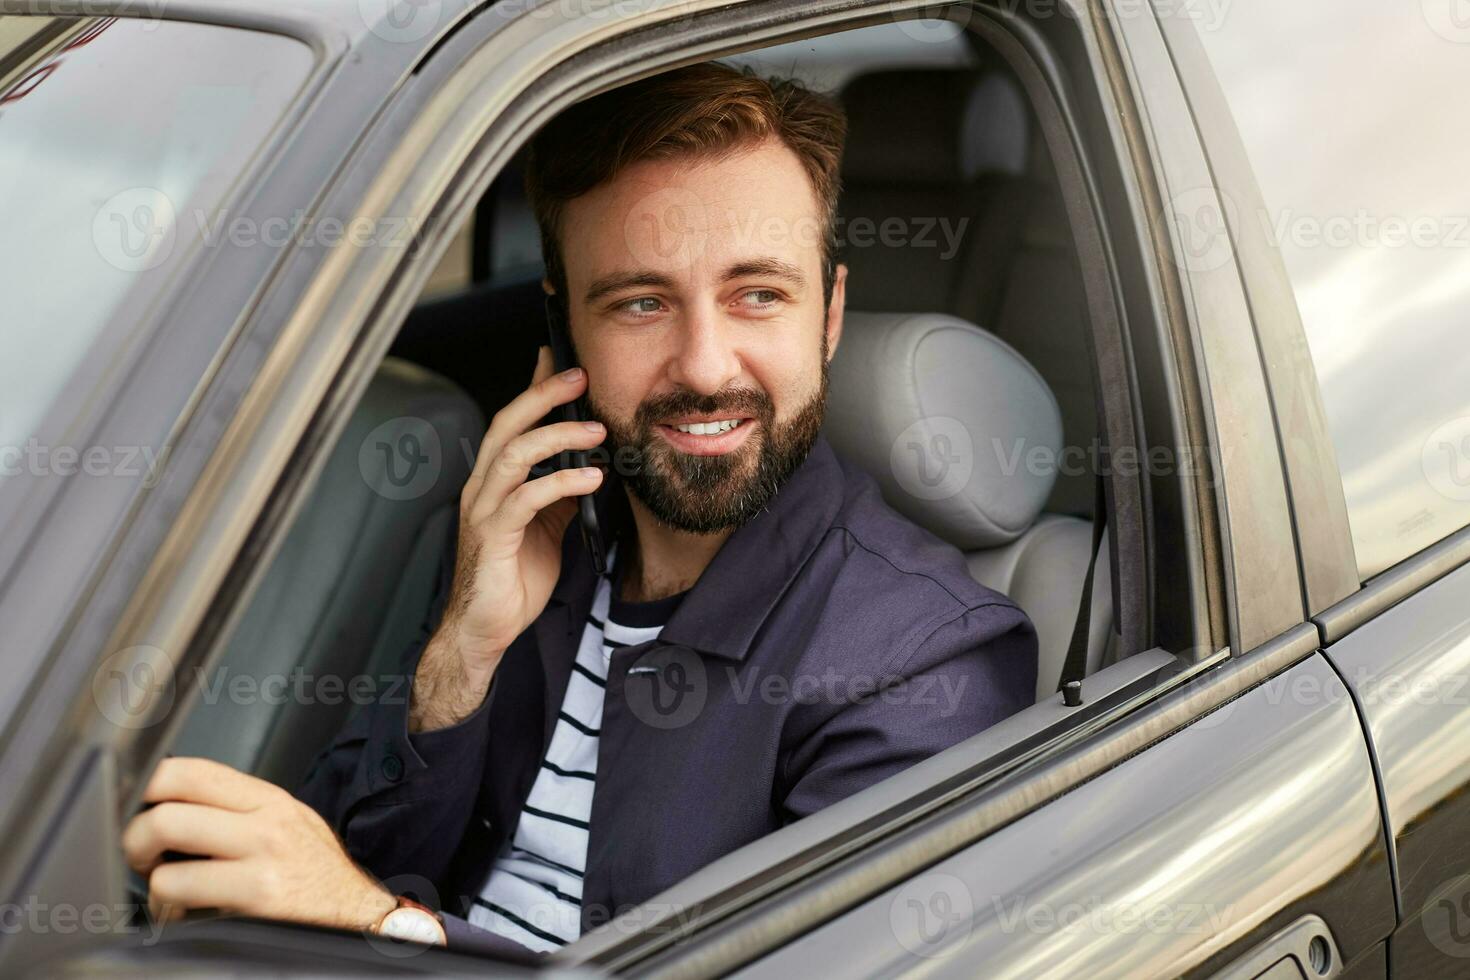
{"points": [[412, 925]]}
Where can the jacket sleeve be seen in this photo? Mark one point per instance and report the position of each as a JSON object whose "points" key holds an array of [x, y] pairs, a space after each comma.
{"points": [[402, 802], [967, 674]]}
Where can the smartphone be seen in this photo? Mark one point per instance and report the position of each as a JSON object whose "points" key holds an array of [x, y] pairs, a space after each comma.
{"points": [[575, 411]]}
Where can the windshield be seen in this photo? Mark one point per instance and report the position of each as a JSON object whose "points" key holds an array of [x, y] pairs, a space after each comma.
{"points": [[120, 140]]}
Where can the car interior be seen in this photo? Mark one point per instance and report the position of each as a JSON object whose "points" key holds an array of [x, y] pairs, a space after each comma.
{"points": [[992, 335]]}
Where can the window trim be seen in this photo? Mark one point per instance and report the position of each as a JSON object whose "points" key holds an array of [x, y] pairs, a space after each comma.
{"points": [[1326, 559], [1393, 585]]}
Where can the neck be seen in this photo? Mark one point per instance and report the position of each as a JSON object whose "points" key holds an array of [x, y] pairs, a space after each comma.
{"points": [[666, 561]]}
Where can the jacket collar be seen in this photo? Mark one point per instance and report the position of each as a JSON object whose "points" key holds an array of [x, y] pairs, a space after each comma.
{"points": [[747, 577]]}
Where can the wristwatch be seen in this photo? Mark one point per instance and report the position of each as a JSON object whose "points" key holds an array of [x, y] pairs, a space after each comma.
{"points": [[412, 922]]}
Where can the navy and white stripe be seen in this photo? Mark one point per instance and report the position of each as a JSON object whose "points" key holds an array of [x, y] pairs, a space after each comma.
{"points": [[534, 892]]}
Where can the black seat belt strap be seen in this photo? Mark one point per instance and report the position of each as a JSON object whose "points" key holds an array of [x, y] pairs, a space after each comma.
{"points": [[1074, 668]]}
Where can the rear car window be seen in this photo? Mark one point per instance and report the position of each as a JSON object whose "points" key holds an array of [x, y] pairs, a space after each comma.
{"points": [[1348, 113], [120, 140]]}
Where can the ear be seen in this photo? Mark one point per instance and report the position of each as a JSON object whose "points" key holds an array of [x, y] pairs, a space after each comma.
{"points": [[835, 309]]}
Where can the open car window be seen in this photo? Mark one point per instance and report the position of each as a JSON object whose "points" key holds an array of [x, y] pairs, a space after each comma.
{"points": [[319, 641]]}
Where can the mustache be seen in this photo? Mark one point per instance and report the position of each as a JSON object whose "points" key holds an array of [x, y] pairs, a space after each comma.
{"points": [[733, 402]]}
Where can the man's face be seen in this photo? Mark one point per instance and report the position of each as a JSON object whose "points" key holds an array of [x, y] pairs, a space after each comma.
{"points": [[695, 294]]}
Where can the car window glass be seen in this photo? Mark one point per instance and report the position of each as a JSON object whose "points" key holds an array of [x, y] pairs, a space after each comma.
{"points": [[1347, 113], [118, 144]]}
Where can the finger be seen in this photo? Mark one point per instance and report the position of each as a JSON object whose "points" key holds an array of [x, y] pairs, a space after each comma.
{"points": [[178, 886], [194, 780], [546, 392], [511, 468], [527, 500], [545, 364], [189, 828]]}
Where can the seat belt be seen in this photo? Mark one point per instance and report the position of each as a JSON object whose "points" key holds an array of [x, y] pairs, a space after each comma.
{"points": [[1074, 668]]}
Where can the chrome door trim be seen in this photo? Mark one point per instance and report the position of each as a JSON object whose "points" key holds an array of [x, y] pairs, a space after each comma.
{"points": [[1262, 584], [1328, 564], [1388, 588]]}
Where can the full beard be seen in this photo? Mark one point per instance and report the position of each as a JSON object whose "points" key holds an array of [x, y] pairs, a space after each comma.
{"points": [[709, 494]]}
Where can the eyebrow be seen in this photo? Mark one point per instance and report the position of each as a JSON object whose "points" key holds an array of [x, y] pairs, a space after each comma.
{"points": [[772, 268], [619, 281]]}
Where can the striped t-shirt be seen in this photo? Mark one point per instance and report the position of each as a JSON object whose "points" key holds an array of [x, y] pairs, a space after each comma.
{"points": [[534, 892]]}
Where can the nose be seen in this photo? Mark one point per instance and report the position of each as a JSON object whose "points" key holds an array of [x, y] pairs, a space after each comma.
{"points": [[706, 360]]}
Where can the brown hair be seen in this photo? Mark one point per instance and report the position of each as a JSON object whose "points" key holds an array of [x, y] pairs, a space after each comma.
{"points": [[707, 109]]}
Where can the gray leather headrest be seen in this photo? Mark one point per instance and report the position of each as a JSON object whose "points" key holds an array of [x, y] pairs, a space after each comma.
{"points": [[933, 125], [960, 431]]}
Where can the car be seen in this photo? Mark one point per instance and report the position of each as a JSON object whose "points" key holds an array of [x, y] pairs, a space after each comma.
{"points": [[1194, 273]]}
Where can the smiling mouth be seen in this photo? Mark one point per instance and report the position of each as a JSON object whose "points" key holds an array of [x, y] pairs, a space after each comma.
{"points": [[712, 428], [708, 437]]}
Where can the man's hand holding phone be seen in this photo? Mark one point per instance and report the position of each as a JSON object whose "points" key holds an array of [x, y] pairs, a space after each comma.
{"points": [[509, 553]]}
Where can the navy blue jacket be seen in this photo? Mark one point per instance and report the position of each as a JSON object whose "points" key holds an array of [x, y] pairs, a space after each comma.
{"points": [[830, 643]]}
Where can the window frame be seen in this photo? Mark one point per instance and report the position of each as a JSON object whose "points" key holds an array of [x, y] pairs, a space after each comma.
{"points": [[1326, 560]]}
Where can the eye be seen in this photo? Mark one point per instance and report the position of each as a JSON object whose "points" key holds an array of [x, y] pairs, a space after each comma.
{"points": [[640, 307], [760, 298]]}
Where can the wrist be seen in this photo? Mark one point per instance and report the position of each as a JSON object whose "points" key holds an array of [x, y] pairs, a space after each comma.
{"points": [[448, 686], [374, 906]]}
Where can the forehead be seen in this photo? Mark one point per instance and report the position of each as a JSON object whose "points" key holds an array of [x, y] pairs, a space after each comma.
{"points": [[690, 215]]}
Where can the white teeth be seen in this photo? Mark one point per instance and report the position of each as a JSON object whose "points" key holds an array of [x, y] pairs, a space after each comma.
{"points": [[708, 428]]}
